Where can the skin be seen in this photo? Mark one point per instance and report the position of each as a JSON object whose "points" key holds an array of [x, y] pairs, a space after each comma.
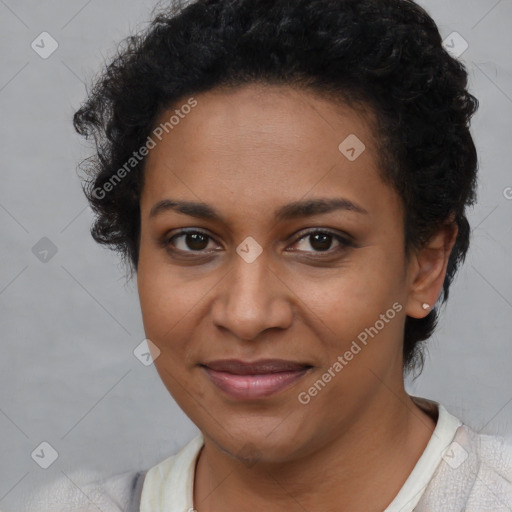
{"points": [[247, 152]]}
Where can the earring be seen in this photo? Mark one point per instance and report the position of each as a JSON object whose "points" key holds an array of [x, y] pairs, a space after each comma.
{"points": [[425, 305]]}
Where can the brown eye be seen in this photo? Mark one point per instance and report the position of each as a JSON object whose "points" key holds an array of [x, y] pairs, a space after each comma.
{"points": [[319, 241], [189, 241]]}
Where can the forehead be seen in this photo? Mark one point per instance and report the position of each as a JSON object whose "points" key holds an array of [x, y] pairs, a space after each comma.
{"points": [[257, 143], [256, 120]]}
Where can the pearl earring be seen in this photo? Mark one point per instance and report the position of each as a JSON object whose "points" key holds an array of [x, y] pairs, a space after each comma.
{"points": [[425, 305]]}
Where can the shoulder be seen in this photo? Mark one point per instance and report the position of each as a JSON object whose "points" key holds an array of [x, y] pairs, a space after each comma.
{"points": [[490, 455], [88, 491], [475, 475], [492, 483]]}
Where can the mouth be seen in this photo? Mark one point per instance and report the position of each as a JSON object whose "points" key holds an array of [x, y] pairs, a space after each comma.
{"points": [[254, 380]]}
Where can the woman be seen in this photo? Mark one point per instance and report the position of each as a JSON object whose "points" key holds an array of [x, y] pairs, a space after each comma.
{"points": [[289, 182]]}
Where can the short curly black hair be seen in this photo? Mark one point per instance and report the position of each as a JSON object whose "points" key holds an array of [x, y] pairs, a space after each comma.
{"points": [[383, 54]]}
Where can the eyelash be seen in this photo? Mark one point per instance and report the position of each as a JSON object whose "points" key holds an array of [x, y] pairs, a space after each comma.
{"points": [[344, 242]]}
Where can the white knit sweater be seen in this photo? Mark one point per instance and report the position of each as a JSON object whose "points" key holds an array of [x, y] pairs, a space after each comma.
{"points": [[459, 471]]}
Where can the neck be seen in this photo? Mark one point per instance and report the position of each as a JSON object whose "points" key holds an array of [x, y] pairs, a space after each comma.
{"points": [[352, 472]]}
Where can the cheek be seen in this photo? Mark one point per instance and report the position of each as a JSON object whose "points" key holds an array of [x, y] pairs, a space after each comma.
{"points": [[164, 307], [359, 316], [163, 301], [352, 297], [173, 302]]}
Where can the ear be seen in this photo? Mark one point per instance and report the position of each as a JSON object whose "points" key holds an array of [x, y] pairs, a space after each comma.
{"points": [[427, 270]]}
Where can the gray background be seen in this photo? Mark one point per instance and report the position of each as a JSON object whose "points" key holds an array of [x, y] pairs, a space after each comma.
{"points": [[68, 375]]}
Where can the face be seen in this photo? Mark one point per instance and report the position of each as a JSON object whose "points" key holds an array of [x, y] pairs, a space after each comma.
{"points": [[278, 304]]}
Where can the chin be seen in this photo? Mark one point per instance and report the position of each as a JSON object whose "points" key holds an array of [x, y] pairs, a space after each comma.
{"points": [[258, 443]]}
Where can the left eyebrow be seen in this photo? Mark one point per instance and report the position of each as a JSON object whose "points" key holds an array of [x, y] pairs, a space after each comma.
{"points": [[289, 211], [316, 206]]}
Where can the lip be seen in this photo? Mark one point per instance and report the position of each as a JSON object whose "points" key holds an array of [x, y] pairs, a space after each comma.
{"points": [[254, 380]]}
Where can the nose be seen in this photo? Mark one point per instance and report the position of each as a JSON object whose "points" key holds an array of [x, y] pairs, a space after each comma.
{"points": [[251, 299]]}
